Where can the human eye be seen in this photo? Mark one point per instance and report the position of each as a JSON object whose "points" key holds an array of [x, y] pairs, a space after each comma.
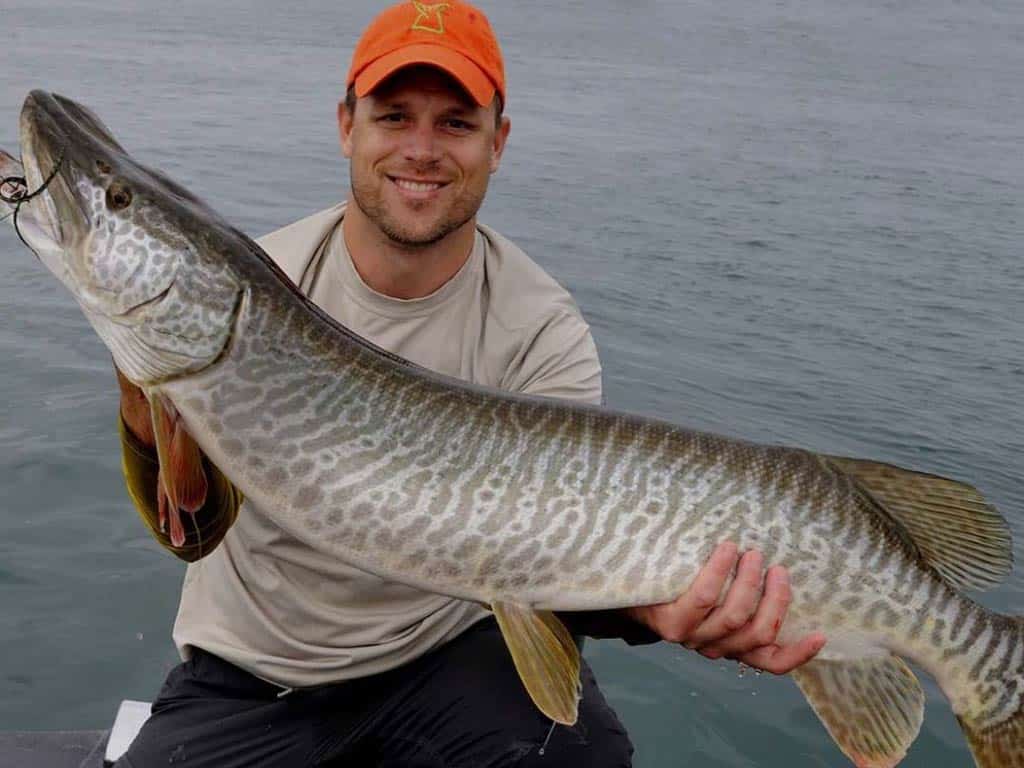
{"points": [[392, 118], [459, 125]]}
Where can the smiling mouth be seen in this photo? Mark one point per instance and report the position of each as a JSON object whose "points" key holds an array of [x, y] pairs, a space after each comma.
{"points": [[417, 187]]}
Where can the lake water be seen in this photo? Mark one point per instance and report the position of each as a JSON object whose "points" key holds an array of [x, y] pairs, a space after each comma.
{"points": [[795, 221]]}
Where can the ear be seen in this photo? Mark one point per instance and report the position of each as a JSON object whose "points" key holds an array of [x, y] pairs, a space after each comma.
{"points": [[500, 137], [345, 122]]}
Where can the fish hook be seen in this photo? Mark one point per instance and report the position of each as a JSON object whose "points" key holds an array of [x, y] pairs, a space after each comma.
{"points": [[21, 195]]}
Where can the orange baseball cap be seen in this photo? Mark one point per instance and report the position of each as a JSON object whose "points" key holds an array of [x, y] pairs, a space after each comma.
{"points": [[453, 36]]}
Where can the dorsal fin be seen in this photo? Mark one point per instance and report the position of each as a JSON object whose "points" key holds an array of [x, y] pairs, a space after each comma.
{"points": [[956, 531]]}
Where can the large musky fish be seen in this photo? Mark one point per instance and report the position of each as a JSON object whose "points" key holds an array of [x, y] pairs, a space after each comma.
{"points": [[526, 504]]}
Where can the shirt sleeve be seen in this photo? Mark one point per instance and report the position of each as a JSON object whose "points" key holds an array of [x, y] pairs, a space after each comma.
{"points": [[210, 523], [607, 625], [558, 359]]}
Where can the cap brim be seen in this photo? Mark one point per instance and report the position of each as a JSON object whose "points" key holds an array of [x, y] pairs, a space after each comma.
{"points": [[469, 75]]}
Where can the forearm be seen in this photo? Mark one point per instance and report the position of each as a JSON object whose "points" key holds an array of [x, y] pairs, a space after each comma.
{"points": [[211, 522]]}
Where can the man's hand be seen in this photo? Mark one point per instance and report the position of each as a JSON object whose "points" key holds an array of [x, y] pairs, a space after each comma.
{"points": [[135, 410], [745, 626]]}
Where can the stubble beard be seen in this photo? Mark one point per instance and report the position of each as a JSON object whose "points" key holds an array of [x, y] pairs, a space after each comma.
{"points": [[372, 205]]}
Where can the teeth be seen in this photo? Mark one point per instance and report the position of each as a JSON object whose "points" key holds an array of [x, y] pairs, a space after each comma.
{"points": [[417, 186]]}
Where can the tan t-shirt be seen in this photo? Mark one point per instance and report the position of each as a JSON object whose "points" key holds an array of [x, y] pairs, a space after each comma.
{"points": [[292, 615]]}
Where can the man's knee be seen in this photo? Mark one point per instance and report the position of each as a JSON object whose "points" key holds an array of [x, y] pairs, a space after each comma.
{"points": [[469, 704]]}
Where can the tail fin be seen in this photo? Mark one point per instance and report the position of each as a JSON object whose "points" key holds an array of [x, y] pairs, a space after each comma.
{"points": [[994, 722], [999, 746], [967, 542]]}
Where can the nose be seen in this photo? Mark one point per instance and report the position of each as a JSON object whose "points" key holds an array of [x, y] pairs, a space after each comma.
{"points": [[420, 144]]}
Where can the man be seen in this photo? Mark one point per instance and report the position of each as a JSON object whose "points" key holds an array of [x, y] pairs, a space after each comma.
{"points": [[295, 659]]}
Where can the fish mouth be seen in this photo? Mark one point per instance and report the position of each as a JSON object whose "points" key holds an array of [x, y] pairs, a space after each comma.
{"points": [[54, 134]]}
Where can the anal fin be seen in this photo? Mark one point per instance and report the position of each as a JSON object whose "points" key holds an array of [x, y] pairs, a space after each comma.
{"points": [[872, 707], [545, 656]]}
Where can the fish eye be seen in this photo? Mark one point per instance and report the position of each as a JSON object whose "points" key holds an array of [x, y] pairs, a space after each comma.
{"points": [[118, 196], [102, 166]]}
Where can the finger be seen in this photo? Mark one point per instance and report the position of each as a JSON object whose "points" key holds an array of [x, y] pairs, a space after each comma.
{"points": [[764, 627], [783, 659], [676, 620], [740, 604], [126, 385], [135, 409]]}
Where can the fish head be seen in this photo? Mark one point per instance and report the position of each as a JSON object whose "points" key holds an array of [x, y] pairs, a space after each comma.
{"points": [[140, 253]]}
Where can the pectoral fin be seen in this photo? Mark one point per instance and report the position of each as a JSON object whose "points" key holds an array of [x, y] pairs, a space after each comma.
{"points": [[546, 658], [186, 462], [872, 707], [182, 480]]}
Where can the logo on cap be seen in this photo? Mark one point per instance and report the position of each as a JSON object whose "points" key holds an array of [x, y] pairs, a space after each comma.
{"points": [[429, 17]]}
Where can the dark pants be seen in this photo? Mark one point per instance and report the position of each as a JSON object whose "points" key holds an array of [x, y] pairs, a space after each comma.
{"points": [[461, 706]]}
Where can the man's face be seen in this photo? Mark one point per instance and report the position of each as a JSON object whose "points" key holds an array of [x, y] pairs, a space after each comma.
{"points": [[421, 153]]}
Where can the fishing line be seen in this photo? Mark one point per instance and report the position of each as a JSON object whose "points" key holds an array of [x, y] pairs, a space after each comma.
{"points": [[21, 195], [199, 533], [547, 738]]}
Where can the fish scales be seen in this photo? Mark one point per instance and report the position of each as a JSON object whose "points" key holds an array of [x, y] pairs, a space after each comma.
{"points": [[524, 503]]}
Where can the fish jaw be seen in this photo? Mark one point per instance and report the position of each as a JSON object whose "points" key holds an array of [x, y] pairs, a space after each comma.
{"points": [[53, 213]]}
